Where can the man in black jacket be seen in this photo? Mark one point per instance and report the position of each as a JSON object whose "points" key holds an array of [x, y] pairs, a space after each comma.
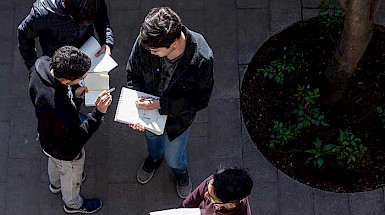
{"points": [[172, 62], [57, 97], [63, 22]]}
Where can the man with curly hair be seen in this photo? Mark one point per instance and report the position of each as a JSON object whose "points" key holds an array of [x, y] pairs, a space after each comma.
{"points": [[57, 97], [176, 64], [63, 22]]}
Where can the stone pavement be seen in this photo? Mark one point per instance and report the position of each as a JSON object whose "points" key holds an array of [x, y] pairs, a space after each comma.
{"points": [[234, 29]]}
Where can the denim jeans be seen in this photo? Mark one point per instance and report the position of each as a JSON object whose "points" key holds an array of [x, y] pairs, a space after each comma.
{"points": [[174, 152], [68, 176]]}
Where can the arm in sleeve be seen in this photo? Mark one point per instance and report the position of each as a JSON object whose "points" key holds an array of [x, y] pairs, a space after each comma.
{"points": [[102, 24], [134, 68], [26, 34], [195, 101], [197, 196]]}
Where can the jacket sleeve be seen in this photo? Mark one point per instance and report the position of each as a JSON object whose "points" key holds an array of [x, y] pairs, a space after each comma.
{"points": [[26, 34], [197, 196], [134, 68], [102, 24], [198, 100]]}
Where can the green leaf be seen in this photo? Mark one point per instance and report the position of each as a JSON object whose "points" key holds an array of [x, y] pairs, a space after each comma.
{"points": [[379, 109], [320, 161], [300, 125], [311, 151], [328, 147]]}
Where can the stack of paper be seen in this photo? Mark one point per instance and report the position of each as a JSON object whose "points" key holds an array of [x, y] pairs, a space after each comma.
{"points": [[128, 113], [97, 79], [178, 211]]}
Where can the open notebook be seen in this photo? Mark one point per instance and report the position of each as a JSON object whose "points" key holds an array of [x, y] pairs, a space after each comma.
{"points": [[96, 82], [178, 211], [102, 64], [127, 112]]}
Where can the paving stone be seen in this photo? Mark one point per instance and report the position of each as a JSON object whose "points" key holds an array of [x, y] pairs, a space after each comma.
{"points": [[224, 163], [247, 4], [257, 165], [50, 203], [226, 128], [264, 198], [5, 82], [242, 69], [311, 3], [222, 38], [329, 203], [97, 146], [294, 197], [283, 15], [125, 5], [201, 116], [7, 47], [4, 142], [125, 198], [127, 150], [23, 186], [19, 77], [199, 129], [176, 5], [3, 192], [8, 26], [23, 142], [252, 36], [199, 152], [7, 4], [380, 16], [195, 20], [310, 13], [367, 202]]}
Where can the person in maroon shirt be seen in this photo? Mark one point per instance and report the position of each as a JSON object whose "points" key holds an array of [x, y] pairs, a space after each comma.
{"points": [[224, 193]]}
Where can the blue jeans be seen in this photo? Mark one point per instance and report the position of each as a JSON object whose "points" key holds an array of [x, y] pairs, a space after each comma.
{"points": [[174, 152]]}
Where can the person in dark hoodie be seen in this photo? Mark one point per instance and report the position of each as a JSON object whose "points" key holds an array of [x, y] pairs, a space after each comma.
{"points": [[63, 133], [176, 64], [63, 22]]}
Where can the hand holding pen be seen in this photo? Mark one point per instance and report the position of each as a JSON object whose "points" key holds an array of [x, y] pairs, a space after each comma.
{"points": [[104, 100], [148, 103]]}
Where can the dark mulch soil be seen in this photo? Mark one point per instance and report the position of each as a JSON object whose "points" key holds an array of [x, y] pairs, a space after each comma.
{"points": [[263, 101]]}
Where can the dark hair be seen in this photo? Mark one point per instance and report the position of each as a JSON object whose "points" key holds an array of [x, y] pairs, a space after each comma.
{"points": [[70, 63], [83, 11], [161, 27], [232, 185]]}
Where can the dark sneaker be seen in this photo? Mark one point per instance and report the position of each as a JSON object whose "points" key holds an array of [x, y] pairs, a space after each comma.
{"points": [[56, 190], [89, 206], [183, 185], [147, 170]]}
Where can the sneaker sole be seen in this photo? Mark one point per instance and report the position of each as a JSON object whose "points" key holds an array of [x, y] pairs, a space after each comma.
{"points": [[81, 211], [146, 181], [56, 191], [180, 195]]}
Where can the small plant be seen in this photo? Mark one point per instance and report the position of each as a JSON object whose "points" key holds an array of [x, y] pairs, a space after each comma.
{"points": [[277, 69], [307, 95], [381, 113], [327, 19], [317, 154], [309, 116], [348, 152], [281, 135]]}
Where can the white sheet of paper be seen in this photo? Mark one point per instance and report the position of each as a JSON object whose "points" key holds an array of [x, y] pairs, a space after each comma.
{"points": [[178, 211], [96, 83], [103, 63], [91, 47], [90, 98]]}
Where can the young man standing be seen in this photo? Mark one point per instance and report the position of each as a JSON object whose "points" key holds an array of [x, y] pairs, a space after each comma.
{"points": [[224, 193], [63, 22], [57, 97], [170, 61]]}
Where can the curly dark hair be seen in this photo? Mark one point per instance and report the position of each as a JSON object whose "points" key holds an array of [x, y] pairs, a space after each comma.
{"points": [[83, 11], [161, 27], [70, 63], [232, 185]]}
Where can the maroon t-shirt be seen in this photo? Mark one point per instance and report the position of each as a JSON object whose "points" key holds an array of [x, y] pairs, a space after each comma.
{"points": [[198, 199]]}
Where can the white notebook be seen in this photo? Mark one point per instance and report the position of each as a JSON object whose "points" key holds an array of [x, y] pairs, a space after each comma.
{"points": [[102, 63], [178, 211], [96, 83], [127, 112]]}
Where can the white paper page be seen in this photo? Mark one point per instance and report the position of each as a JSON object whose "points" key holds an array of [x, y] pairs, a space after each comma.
{"points": [[97, 81], [179, 211], [91, 47], [103, 63], [90, 98]]}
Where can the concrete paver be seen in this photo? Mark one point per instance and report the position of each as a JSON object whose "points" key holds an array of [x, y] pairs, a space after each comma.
{"points": [[234, 29]]}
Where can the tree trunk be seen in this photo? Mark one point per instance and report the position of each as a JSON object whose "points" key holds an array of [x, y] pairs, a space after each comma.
{"points": [[356, 35]]}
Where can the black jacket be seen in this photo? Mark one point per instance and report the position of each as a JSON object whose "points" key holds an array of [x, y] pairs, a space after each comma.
{"points": [[61, 133], [55, 28], [190, 87]]}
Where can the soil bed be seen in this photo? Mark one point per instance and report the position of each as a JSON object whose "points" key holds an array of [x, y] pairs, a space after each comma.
{"points": [[263, 101]]}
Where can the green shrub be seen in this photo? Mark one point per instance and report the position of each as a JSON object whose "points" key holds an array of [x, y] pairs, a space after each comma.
{"points": [[348, 152], [381, 113], [318, 153], [327, 19], [278, 69], [281, 135], [309, 116]]}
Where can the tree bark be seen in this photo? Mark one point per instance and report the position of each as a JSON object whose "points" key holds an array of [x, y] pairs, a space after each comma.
{"points": [[356, 35]]}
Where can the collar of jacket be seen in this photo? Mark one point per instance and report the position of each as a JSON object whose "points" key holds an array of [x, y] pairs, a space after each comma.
{"points": [[42, 67], [55, 8]]}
